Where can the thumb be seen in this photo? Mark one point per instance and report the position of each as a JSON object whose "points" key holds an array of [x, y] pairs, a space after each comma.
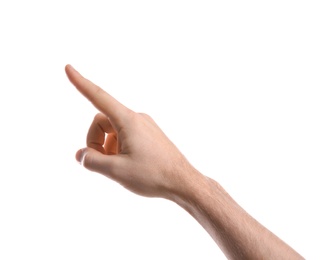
{"points": [[96, 161]]}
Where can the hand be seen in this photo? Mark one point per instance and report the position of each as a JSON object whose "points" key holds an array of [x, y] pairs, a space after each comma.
{"points": [[135, 153]]}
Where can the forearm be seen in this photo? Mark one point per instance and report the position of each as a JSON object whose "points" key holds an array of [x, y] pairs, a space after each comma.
{"points": [[237, 234]]}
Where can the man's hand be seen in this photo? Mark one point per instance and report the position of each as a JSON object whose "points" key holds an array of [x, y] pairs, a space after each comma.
{"points": [[129, 147]]}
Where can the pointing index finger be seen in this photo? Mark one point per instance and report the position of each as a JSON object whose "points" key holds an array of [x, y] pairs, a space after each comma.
{"points": [[98, 97]]}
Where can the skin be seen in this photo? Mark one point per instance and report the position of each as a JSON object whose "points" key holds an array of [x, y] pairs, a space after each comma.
{"points": [[130, 148]]}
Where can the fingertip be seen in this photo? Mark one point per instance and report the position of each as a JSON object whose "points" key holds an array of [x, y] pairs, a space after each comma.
{"points": [[69, 68], [72, 74], [80, 155]]}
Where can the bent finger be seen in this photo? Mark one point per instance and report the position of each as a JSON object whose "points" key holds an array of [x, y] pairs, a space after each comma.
{"points": [[97, 132], [108, 165], [111, 144]]}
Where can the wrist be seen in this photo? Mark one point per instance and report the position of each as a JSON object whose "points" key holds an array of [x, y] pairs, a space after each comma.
{"points": [[192, 187]]}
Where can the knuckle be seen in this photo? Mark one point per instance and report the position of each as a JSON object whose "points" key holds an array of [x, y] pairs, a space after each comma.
{"points": [[145, 115], [98, 117], [98, 91]]}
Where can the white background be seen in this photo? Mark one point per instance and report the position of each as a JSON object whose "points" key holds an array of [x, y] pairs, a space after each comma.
{"points": [[234, 84]]}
